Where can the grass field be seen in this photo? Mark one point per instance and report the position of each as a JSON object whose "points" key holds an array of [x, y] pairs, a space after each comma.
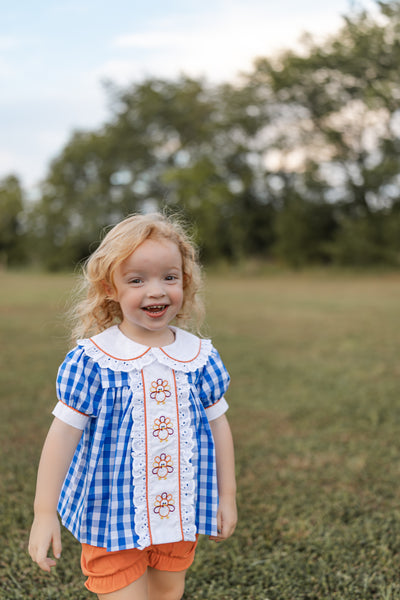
{"points": [[315, 413]]}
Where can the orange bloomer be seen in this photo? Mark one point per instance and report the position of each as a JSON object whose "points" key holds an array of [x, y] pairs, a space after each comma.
{"points": [[111, 571]]}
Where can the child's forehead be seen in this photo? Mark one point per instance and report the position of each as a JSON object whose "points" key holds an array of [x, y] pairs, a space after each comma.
{"points": [[159, 245], [155, 251]]}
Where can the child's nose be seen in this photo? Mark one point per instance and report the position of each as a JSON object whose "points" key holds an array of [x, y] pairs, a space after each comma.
{"points": [[156, 290]]}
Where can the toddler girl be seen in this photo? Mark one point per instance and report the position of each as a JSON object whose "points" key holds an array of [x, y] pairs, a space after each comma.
{"points": [[139, 458]]}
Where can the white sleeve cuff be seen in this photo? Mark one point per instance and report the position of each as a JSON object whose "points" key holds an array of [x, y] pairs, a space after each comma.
{"points": [[217, 410], [70, 416]]}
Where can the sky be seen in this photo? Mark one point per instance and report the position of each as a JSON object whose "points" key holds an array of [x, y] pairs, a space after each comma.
{"points": [[55, 56]]}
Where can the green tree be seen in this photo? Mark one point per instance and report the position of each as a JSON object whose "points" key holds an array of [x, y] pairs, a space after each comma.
{"points": [[76, 201], [304, 231], [12, 239], [178, 145], [337, 124]]}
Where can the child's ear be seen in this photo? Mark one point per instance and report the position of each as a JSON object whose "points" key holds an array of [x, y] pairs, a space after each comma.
{"points": [[108, 289]]}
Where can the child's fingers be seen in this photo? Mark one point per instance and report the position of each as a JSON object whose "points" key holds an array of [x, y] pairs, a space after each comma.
{"points": [[219, 523], [57, 546], [38, 550], [229, 528], [39, 556], [45, 563], [225, 528]]}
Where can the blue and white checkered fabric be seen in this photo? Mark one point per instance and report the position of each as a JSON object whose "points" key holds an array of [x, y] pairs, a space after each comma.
{"points": [[96, 502]]}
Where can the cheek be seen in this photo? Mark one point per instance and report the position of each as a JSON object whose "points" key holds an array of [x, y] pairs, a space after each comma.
{"points": [[179, 297]]}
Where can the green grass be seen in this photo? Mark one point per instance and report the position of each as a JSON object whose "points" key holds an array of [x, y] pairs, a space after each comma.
{"points": [[314, 359]]}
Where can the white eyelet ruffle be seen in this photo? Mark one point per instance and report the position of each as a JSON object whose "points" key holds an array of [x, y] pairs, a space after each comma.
{"points": [[139, 463], [106, 361], [187, 471]]}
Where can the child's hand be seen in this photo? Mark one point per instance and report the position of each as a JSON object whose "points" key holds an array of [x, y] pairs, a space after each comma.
{"points": [[45, 531], [226, 518]]}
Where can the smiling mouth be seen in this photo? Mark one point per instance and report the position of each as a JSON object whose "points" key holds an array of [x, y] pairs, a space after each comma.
{"points": [[156, 309]]}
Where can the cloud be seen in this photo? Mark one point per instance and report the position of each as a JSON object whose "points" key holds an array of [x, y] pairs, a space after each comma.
{"points": [[150, 40], [218, 47], [7, 160], [121, 71], [5, 68], [10, 42]]}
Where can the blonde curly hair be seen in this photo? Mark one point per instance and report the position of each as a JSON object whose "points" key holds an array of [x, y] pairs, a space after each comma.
{"points": [[96, 311]]}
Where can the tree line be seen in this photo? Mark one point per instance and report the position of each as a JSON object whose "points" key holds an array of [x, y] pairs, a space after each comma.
{"points": [[297, 160]]}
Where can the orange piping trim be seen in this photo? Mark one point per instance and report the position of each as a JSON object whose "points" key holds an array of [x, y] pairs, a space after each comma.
{"points": [[179, 456], [115, 358], [211, 405], [78, 411], [182, 361]]}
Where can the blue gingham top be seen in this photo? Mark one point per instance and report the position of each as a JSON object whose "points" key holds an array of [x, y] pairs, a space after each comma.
{"points": [[116, 493]]}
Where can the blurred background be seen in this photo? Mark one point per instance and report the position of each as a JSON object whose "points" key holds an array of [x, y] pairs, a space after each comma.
{"points": [[278, 145]]}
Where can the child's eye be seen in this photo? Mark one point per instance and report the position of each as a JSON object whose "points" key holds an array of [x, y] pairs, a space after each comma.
{"points": [[171, 278], [135, 281]]}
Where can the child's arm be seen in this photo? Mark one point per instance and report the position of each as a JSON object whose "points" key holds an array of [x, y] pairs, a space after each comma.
{"points": [[225, 459], [57, 453]]}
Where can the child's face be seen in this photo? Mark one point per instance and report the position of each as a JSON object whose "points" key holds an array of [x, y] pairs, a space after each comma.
{"points": [[149, 288]]}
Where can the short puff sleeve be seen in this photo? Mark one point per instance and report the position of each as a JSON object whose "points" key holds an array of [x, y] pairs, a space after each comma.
{"points": [[78, 389], [212, 385]]}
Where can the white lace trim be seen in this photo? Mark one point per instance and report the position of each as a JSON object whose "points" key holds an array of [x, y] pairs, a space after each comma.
{"points": [[115, 364], [178, 365], [186, 453], [188, 353], [139, 462]]}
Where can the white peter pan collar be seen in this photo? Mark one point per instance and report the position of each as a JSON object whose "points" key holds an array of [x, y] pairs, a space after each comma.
{"points": [[111, 349]]}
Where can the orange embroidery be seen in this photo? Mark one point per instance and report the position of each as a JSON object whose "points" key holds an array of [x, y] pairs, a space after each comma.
{"points": [[163, 428], [162, 466], [164, 505], [160, 391]]}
